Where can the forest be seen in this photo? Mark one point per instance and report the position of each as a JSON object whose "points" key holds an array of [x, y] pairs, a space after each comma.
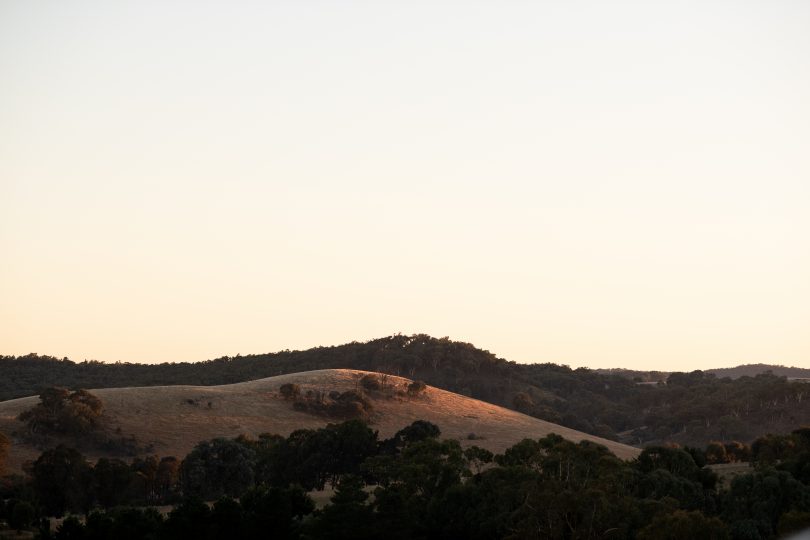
{"points": [[687, 408], [413, 485]]}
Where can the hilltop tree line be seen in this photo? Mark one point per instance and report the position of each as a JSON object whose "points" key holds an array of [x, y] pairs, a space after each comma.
{"points": [[413, 485], [687, 408]]}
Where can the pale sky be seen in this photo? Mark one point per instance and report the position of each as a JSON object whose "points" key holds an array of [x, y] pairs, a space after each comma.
{"points": [[601, 184]]}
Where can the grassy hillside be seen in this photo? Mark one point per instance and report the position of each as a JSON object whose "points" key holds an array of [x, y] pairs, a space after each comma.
{"points": [[172, 419], [687, 408]]}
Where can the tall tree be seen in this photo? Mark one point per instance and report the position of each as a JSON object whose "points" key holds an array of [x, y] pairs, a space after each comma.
{"points": [[61, 480], [5, 444]]}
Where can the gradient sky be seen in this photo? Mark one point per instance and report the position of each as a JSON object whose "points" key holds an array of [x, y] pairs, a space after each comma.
{"points": [[595, 183]]}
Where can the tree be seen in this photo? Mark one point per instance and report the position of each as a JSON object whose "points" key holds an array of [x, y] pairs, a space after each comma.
{"points": [[5, 444], [716, 453], [416, 388], [413, 484], [228, 519], [311, 458], [124, 523], [218, 467], [290, 391], [772, 448], [681, 524], [71, 529], [348, 517], [478, 457], [419, 430], [167, 476], [676, 461], [111, 481], [61, 481], [272, 512], [63, 412], [764, 496], [352, 443], [21, 514], [526, 453], [737, 451], [143, 486], [793, 522], [522, 402], [189, 519], [371, 382]]}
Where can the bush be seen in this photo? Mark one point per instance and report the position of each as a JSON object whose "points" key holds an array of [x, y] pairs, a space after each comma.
{"points": [[522, 402], [416, 388], [290, 391], [371, 382], [348, 405]]}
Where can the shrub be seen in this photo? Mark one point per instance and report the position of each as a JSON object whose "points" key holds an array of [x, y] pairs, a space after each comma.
{"points": [[416, 388], [290, 391], [371, 382], [522, 402], [348, 405]]}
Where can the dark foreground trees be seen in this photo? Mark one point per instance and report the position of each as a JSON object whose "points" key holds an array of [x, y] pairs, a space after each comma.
{"points": [[5, 444], [415, 485]]}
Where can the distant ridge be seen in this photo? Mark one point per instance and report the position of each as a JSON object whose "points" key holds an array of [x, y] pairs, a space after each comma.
{"points": [[752, 370], [745, 370]]}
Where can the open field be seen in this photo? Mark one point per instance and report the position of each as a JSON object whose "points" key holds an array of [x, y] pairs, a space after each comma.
{"points": [[174, 418]]}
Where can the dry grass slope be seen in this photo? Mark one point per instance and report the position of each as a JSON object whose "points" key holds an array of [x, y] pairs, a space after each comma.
{"points": [[175, 418]]}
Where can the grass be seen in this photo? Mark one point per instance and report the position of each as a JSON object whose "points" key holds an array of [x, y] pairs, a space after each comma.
{"points": [[175, 418]]}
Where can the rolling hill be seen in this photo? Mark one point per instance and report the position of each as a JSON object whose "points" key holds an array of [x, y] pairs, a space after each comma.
{"points": [[685, 408], [174, 418]]}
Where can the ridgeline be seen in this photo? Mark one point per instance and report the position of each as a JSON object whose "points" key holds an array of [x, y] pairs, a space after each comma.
{"points": [[687, 408]]}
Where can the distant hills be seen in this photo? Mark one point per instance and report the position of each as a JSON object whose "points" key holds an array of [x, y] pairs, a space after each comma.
{"points": [[752, 370], [745, 370], [685, 408]]}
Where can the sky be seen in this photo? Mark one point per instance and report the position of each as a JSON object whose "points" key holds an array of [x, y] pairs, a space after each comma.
{"points": [[599, 184]]}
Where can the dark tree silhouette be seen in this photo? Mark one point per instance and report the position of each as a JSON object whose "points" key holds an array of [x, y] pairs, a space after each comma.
{"points": [[61, 479], [5, 444]]}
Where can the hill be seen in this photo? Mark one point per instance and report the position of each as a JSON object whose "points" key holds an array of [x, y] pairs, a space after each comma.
{"points": [[752, 370], [172, 419], [686, 408], [745, 370]]}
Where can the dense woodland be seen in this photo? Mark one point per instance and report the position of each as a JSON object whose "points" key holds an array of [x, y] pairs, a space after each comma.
{"points": [[687, 408], [745, 370], [412, 486]]}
